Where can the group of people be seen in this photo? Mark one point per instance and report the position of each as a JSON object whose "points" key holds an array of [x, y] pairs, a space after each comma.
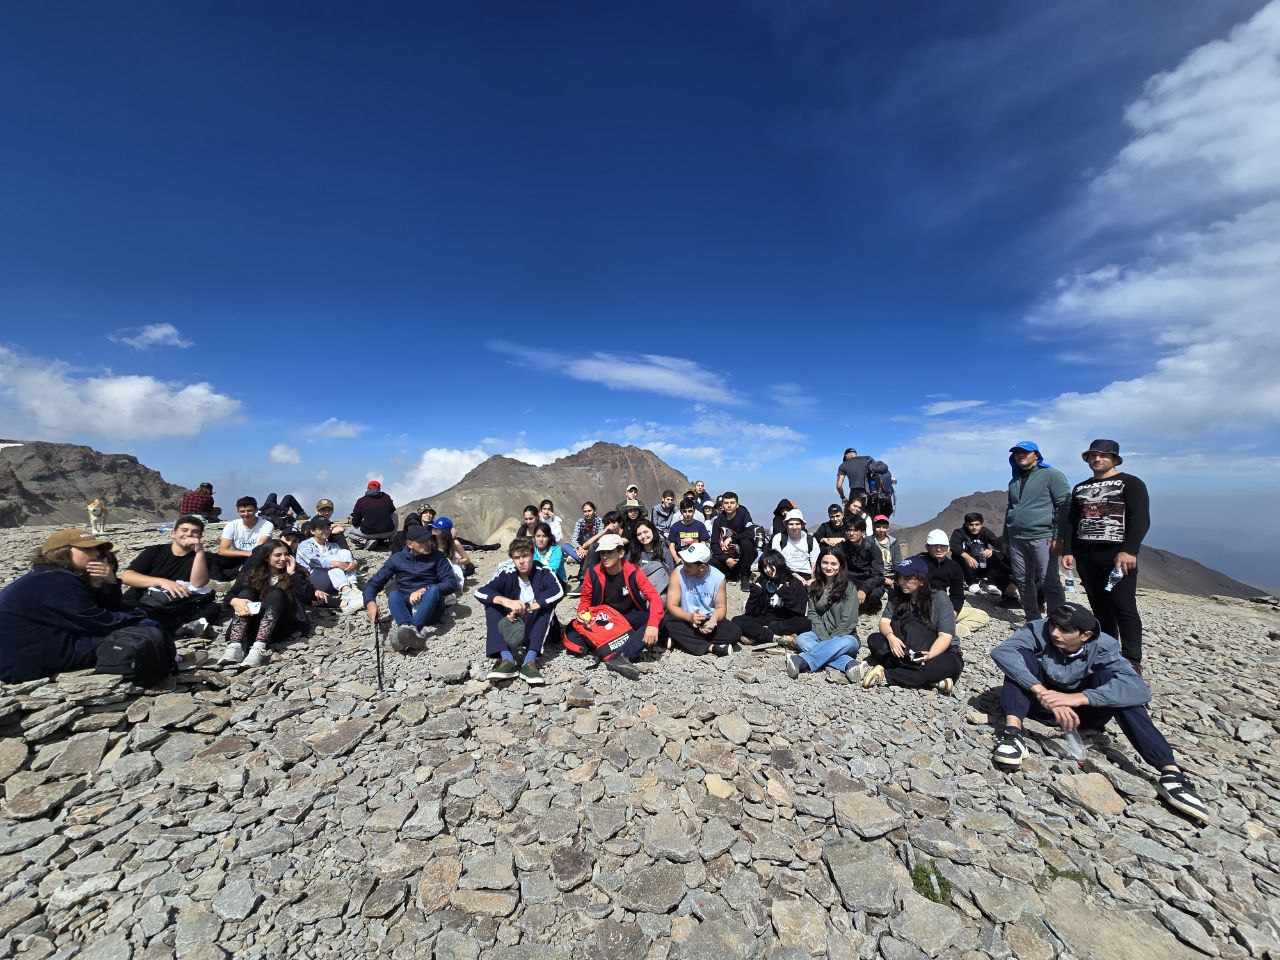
{"points": [[654, 579]]}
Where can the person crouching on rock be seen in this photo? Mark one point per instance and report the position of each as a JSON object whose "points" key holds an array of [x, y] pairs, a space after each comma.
{"points": [[1064, 670], [619, 611], [775, 611], [519, 612], [268, 602], [833, 611], [915, 647], [424, 577], [697, 620]]}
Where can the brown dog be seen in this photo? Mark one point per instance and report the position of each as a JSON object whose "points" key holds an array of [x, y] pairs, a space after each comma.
{"points": [[97, 515]]}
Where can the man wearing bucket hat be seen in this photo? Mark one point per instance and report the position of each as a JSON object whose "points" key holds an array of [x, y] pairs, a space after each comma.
{"points": [[1038, 495], [1100, 535]]}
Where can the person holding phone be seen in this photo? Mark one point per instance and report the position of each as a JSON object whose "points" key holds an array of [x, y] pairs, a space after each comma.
{"points": [[914, 647]]}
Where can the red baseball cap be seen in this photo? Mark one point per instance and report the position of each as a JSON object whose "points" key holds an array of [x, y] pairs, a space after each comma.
{"points": [[878, 517]]}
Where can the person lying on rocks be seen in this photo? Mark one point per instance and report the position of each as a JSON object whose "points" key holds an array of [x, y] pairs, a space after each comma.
{"points": [[424, 577], [775, 606], [619, 611], [519, 612], [697, 616], [268, 603], [373, 518], [283, 512], [945, 574], [1064, 670], [170, 581], [239, 539], [51, 619], [833, 610], [914, 647], [865, 566], [330, 568]]}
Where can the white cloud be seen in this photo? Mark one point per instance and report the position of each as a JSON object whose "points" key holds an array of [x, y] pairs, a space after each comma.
{"points": [[60, 404], [795, 397], [151, 335], [649, 372], [335, 429], [438, 469], [735, 443], [941, 407], [283, 453]]}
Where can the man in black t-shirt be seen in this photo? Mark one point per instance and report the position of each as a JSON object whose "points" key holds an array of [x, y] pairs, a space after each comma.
{"points": [[733, 545], [853, 468], [831, 533], [170, 580], [1101, 532]]}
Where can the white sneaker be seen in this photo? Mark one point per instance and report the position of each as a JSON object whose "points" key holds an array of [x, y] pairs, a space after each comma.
{"points": [[232, 655], [258, 655], [193, 628], [975, 589], [993, 590], [352, 601]]}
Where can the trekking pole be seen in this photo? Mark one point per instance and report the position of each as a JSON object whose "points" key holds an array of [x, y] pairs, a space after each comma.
{"points": [[377, 653]]}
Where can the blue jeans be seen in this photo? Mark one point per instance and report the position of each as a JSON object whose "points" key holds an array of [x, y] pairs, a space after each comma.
{"points": [[427, 612], [836, 653], [569, 550]]}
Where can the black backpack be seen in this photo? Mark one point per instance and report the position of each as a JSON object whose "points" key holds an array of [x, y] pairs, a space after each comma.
{"points": [[881, 494], [144, 655]]}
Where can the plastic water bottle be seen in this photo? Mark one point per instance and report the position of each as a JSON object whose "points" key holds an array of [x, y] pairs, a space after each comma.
{"points": [[1114, 577], [1070, 584], [1075, 746]]}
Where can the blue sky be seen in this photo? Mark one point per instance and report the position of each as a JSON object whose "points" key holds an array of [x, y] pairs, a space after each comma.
{"points": [[294, 247]]}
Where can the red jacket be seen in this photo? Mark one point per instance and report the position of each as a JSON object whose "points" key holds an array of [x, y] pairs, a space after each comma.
{"points": [[637, 584]]}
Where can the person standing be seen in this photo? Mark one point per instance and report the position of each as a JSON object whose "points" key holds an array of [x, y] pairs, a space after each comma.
{"points": [[853, 468], [1102, 532], [1038, 495]]}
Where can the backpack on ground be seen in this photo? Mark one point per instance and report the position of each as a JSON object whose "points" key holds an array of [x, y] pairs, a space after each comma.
{"points": [[604, 635], [881, 493], [143, 654]]}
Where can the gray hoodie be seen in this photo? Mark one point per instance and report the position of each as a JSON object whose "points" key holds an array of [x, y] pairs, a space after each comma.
{"points": [[1036, 503], [1124, 688]]}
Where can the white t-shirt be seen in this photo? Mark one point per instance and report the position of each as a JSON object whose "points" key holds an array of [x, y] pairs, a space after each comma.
{"points": [[246, 538], [556, 525], [800, 557], [526, 590]]}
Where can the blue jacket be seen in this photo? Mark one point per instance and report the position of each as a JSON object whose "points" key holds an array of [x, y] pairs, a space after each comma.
{"points": [[50, 621], [413, 570], [1122, 688], [547, 589]]}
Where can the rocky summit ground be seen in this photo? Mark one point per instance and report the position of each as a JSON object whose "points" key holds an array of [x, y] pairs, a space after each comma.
{"points": [[713, 809]]}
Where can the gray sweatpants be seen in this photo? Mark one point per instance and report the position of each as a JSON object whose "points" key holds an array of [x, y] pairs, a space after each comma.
{"points": [[1034, 572]]}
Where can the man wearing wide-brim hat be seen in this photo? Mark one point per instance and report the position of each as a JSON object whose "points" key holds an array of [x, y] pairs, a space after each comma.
{"points": [[1100, 535]]}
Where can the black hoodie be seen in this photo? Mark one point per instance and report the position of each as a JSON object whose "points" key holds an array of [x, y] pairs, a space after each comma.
{"points": [[374, 513]]}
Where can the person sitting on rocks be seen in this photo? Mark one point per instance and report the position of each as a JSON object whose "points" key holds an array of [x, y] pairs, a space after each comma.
{"points": [[547, 514], [330, 568], [833, 611], [585, 527], [199, 503], [779, 520], [865, 566], [831, 531], [1064, 670], [414, 518], [855, 514], [282, 513], [448, 543], [423, 579], [373, 518], [529, 521], [664, 514], [632, 513], [51, 620], [697, 617], [733, 529], [611, 522], [337, 531], [648, 551], [547, 553], [239, 539], [170, 581], [519, 612], [615, 585], [914, 646], [268, 603], [945, 574], [631, 495], [890, 549], [710, 510], [700, 494], [797, 545], [980, 554], [775, 606], [686, 531]]}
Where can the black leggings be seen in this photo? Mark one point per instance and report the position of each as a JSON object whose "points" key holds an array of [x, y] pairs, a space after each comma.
{"points": [[687, 638], [765, 629], [900, 672], [287, 502], [274, 621], [1117, 611]]}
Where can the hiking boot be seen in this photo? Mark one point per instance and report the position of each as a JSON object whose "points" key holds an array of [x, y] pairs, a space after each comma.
{"points": [[1175, 790], [231, 655], [1009, 749], [257, 656], [531, 675], [874, 677], [403, 638], [945, 686], [623, 667], [503, 670], [794, 666], [421, 635]]}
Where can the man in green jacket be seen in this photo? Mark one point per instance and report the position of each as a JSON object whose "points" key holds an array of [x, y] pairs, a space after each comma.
{"points": [[1038, 495]]}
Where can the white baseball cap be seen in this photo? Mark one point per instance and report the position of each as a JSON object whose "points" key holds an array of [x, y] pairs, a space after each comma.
{"points": [[937, 538], [696, 552], [611, 541]]}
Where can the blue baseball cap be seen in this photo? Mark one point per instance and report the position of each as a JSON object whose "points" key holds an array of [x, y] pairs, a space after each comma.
{"points": [[913, 567], [1025, 445], [442, 523]]}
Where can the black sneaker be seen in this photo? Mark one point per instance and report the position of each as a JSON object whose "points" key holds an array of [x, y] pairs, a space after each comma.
{"points": [[721, 649], [795, 666], [623, 667], [1175, 790], [1009, 749], [529, 674], [503, 670]]}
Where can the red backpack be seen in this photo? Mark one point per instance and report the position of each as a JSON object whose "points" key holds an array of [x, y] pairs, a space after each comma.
{"points": [[604, 635]]}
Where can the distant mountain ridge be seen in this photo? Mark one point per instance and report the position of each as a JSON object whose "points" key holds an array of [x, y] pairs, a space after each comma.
{"points": [[1159, 569], [42, 482], [485, 502]]}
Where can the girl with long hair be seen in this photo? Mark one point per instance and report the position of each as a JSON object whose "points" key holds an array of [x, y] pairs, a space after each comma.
{"points": [[780, 517], [914, 647], [548, 553], [529, 520], [268, 602], [833, 612], [649, 553], [776, 605]]}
